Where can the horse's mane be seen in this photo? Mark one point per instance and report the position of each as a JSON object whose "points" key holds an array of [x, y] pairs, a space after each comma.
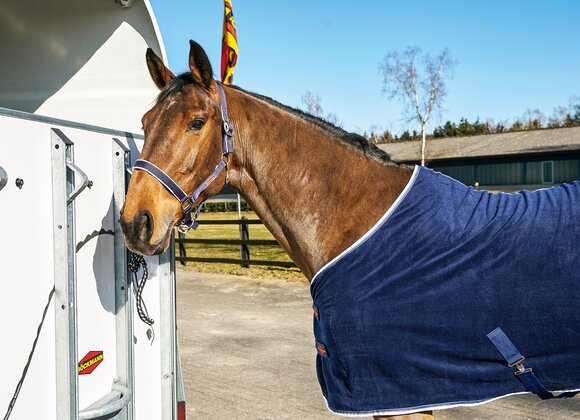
{"points": [[352, 140]]}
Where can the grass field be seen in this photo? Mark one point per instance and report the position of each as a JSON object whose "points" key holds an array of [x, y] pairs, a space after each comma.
{"points": [[257, 252]]}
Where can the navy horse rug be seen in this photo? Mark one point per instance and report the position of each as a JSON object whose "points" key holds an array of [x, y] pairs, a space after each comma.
{"points": [[455, 297]]}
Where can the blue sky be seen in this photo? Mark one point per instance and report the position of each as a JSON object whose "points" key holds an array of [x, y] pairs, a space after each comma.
{"points": [[513, 55]]}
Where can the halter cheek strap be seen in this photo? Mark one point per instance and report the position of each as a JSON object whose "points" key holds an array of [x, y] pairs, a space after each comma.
{"points": [[187, 220]]}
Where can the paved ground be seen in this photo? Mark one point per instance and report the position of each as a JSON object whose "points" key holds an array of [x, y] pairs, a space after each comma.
{"points": [[247, 353]]}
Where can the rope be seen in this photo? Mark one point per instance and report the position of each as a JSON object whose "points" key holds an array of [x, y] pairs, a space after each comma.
{"points": [[137, 261], [25, 371]]}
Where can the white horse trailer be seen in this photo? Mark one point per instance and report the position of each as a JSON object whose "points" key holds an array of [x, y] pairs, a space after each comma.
{"points": [[73, 345], [67, 293]]}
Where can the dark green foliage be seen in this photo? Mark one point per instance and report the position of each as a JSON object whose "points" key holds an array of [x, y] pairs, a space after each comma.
{"points": [[387, 137], [568, 116], [464, 128], [406, 136], [224, 206]]}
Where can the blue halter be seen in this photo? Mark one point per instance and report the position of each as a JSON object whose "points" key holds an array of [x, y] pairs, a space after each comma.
{"points": [[187, 201]]}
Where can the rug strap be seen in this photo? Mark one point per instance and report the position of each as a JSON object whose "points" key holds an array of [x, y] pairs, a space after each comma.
{"points": [[515, 359]]}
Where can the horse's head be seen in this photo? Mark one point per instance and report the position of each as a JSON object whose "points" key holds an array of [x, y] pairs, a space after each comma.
{"points": [[183, 138]]}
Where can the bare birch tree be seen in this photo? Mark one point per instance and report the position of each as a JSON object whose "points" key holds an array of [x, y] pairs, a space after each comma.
{"points": [[419, 81], [313, 105]]}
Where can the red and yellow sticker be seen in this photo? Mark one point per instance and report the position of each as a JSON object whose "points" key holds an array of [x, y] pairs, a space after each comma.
{"points": [[90, 362]]}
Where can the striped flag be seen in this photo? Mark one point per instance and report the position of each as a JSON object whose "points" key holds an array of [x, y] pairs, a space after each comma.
{"points": [[229, 44]]}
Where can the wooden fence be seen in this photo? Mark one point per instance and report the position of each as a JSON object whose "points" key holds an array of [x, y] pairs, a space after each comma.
{"points": [[243, 243]]}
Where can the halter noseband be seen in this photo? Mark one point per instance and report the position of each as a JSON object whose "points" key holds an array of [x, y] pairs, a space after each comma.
{"points": [[187, 221]]}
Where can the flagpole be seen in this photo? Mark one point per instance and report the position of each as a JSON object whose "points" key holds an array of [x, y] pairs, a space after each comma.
{"points": [[229, 58]]}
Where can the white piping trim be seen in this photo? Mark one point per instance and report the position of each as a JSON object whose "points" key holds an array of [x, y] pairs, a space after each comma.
{"points": [[410, 410], [373, 229]]}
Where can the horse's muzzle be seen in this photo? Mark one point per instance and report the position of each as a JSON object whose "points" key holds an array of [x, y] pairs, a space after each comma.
{"points": [[138, 233]]}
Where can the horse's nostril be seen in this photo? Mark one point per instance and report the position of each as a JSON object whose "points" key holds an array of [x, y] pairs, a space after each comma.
{"points": [[144, 223]]}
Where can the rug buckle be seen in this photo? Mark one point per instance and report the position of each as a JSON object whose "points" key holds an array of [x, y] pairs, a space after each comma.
{"points": [[520, 367]]}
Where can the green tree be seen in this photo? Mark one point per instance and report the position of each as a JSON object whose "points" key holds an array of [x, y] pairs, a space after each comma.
{"points": [[517, 126], [566, 116], [405, 136]]}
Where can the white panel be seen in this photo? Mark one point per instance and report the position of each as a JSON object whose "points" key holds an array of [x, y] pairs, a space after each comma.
{"points": [[147, 353], [27, 274], [26, 268], [95, 262]]}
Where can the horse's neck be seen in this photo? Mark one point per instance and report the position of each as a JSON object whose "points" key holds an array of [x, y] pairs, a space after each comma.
{"points": [[316, 194]]}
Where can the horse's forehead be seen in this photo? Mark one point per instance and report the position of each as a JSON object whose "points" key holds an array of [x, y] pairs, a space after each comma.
{"points": [[168, 116], [191, 97], [183, 102]]}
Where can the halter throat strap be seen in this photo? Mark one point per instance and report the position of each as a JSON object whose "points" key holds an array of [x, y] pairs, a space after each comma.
{"points": [[187, 201]]}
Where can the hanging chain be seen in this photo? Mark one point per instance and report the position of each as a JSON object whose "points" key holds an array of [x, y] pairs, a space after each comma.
{"points": [[137, 261]]}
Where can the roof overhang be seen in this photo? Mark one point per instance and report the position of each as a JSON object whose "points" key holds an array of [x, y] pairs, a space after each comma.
{"points": [[78, 60], [534, 145]]}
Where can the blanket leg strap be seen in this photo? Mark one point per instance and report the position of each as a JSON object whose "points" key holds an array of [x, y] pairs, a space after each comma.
{"points": [[515, 359]]}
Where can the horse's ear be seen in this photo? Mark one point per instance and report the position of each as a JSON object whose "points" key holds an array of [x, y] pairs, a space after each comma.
{"points": [[199, 65], [160, 74]]}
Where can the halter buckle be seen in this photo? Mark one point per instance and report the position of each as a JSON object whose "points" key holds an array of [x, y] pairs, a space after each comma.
{"points": [[186, 205]]}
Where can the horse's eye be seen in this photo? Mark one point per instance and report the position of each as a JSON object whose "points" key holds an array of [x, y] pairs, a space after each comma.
{"points": [[195, 125]]}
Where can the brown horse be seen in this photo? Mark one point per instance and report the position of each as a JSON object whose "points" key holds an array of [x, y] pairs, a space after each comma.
{"points": [[317, 188]]}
